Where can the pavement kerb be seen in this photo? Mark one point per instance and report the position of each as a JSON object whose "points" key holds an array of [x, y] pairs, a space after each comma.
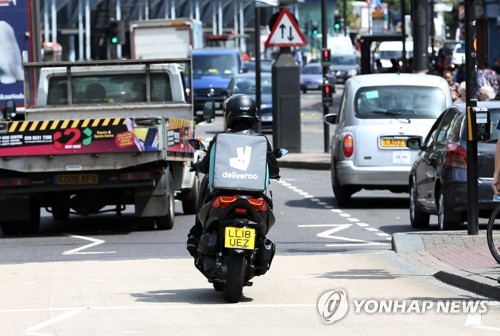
{"points": [[306, 160], [471, 282], [410, 247]]}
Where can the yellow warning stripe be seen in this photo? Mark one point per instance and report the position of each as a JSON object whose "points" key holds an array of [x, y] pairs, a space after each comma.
{"points": [[39, 125]]}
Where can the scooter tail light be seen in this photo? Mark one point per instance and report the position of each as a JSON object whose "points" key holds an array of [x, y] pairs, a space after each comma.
{"points": [[223, 202], [348, 145], [259, 204]]}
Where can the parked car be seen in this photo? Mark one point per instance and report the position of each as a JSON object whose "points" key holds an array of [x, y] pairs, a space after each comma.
{"points": [[344, 67], [438, 178], [245, 83], [311, 77], [381, 123]]}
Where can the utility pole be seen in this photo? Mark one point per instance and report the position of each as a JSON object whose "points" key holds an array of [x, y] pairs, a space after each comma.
{"points": [[471, 103]]}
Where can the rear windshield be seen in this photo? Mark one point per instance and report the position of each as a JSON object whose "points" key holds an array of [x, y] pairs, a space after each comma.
{"points": [[312, 70], [399, 102], [109, 89], [215, 65], [344, 60]]}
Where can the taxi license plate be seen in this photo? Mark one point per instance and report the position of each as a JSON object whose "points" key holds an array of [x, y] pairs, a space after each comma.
{"points": [[393, 142], [239, 238], [78, 179]]}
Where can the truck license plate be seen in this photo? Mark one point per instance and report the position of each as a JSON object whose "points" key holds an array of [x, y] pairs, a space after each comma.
{"points": [[239, 238], [78, 179]]}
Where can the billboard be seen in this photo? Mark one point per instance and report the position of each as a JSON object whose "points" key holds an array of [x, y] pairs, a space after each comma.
{"points": [[14, 41]]}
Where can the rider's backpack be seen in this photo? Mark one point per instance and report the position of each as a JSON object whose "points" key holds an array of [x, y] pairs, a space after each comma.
{"points": [[238, 162]]}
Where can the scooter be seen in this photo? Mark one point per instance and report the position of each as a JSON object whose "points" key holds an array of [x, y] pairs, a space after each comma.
{"points": [[233, 248]]}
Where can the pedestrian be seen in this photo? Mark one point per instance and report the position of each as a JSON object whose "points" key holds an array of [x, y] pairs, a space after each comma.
{"points": [[486, 92], [299, 58], [448, 75], [460, 74], [461, 92], [486, 76]]}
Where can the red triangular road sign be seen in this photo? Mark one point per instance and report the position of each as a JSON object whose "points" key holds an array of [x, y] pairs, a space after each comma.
{"points": [[286, 32]]}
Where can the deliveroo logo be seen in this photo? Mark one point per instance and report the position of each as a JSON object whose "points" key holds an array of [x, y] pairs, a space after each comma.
{"points": [[242, 161]]}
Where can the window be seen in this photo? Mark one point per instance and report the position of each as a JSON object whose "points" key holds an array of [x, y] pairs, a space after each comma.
{"points": [[448, 117], [109, 89], [395, 102]]}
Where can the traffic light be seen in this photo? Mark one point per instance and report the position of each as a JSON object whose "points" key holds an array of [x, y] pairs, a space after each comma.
{"points": [[326, 57], [327, 94], [306, 28], [116, 32], [337, 23], [113, 33], [315, 30]]}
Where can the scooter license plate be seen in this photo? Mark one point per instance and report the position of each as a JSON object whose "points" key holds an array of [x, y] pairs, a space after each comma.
{"points": [[239, 238]]}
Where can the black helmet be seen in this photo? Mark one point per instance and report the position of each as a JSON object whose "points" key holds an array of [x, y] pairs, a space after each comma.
{"points": [[240, 108]]}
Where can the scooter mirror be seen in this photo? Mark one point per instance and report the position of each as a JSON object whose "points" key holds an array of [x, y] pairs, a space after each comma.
{"points": [[197, 144]]}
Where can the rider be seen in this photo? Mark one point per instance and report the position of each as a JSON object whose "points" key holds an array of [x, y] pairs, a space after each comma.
{"points": [[241, 116]]}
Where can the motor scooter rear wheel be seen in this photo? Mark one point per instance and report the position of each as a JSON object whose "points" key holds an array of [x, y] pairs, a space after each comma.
{"points": [[235, 280]]}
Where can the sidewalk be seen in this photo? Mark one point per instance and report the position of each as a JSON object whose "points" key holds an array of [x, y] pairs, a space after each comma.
{"points": [[453, 257]]}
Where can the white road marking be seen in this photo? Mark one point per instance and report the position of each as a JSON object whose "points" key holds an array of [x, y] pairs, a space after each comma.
{"points": [[76, 310], [33, 329], [94, 241], [339, 227]]}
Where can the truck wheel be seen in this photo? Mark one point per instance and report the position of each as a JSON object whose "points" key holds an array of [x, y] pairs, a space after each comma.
{"points": [[189, 204], [10, 228], [60, 213], [167, 222]]}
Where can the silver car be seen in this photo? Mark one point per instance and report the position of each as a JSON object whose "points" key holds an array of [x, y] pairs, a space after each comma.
{"points": [[381, 123]]}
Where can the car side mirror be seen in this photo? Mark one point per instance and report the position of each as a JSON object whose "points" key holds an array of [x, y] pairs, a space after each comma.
{"points": [[330, 118]]}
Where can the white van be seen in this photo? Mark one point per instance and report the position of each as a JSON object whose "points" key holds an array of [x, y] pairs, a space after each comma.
{"points": [[340, 45], [393, 49]]}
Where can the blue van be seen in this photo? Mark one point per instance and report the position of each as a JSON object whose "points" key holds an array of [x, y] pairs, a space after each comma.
{"points": [[213, 69]]}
